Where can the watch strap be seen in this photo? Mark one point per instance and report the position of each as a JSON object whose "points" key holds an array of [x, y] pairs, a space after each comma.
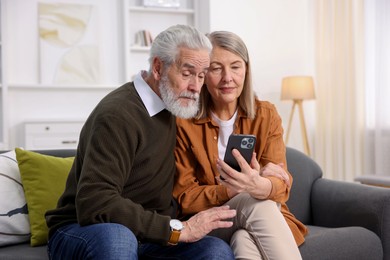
{"points": [[174, 237]]}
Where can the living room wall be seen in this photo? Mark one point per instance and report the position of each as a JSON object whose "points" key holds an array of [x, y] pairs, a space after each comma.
{"points": [[279, 38], [277, 33]]}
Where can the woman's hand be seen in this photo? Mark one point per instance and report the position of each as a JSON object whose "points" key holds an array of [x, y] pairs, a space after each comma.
{"points": [[248, 180]]}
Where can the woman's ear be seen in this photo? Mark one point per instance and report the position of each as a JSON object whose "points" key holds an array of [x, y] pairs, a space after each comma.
{"points": [[157, 68]]}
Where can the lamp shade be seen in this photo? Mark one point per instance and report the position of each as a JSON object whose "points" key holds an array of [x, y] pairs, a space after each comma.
{"points": [[297, 87]]}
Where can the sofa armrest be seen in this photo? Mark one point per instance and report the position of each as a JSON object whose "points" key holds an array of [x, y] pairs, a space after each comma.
{"points": [[341, 204]]}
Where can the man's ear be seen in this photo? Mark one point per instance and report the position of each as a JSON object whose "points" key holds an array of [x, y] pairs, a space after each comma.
{"points": [[157, 68]]}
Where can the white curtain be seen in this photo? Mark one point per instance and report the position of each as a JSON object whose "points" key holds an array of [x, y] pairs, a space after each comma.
{"points": [[339, 33], [377, 137]]}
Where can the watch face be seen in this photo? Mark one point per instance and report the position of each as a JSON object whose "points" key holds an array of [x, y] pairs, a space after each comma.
{"points": [[176, 224]]}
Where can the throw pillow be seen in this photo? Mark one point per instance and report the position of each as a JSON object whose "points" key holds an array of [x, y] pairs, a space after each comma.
{"points": [[14, 224], [44, 179]]}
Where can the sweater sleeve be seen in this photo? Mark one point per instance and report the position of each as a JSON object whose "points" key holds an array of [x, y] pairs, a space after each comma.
{"points": [[107, 164]]}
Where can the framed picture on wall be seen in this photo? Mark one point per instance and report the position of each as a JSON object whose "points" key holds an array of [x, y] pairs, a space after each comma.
{"points": [[68, 44]]}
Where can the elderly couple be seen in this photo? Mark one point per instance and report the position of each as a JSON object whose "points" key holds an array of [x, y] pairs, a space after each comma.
{"points": [[166, 133]]}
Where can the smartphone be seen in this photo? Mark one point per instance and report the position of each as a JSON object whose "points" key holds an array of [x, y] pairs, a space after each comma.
{"points": [[245, 144]]}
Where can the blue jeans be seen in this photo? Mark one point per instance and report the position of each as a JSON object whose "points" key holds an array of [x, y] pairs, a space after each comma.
{"points": [[114, 241]]}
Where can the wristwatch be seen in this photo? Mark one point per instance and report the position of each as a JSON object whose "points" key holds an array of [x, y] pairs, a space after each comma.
{"points": [[176, 228]]}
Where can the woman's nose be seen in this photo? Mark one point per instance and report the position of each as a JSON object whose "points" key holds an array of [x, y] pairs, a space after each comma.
{"points": [[227, 76]]}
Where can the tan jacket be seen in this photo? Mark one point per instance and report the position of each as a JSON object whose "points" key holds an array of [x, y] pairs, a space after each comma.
{"points": [[196, 155]]}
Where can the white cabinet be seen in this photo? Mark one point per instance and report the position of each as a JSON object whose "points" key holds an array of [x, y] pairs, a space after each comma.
{"points": [[52, 135], [138, 17]]}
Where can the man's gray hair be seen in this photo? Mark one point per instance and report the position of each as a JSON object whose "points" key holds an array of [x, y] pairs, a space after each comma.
{"points": [[167, 44]]}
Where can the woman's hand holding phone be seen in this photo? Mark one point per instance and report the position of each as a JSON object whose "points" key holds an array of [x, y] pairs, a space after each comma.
{"points": [[246, 180], [241, 172]]}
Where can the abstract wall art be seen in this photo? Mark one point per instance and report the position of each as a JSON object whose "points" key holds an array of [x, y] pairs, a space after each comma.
{"points": [[68, 44]]}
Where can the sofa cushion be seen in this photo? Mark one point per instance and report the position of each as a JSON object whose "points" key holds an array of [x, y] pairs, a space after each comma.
{"points": [[341, 243], [43, 179], [24, 251], [14, 223]]}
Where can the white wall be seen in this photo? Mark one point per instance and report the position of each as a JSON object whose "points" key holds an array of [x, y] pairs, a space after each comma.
{"points": [[22, 39], [280, 42], [277, 32], [30, 101]]}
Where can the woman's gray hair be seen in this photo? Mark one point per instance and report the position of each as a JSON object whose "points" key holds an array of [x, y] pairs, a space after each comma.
{"points": [[232, 43], [167, 44]]}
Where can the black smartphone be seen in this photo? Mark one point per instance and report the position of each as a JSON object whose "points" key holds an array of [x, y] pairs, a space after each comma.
{"points": [[245, 144]]}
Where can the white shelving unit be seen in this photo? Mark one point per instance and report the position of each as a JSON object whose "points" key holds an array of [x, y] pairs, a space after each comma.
{"points": [[154, 19]]}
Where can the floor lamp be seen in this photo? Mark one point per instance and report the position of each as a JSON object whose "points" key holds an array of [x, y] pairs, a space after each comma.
{"points": [[297, 89]]}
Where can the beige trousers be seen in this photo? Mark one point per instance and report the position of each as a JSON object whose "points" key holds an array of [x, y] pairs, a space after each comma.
{"points": [[259, 231]]}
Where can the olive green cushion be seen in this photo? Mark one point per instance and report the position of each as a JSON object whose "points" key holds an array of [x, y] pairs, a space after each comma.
{"points": [[43, 179]]}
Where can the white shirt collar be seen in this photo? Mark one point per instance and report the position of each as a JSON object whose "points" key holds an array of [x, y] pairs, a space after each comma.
{"points": [[151, 100]]}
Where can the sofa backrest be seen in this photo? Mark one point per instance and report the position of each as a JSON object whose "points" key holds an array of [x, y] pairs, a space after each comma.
{"points": [[58, 152], [54, 152], [305, 172]]}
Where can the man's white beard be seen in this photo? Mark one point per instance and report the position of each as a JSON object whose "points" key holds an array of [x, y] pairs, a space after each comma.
{"points": [[172, 102]]}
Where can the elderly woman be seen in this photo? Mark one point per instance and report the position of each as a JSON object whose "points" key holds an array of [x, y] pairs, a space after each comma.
{"points": [[263, 227]]}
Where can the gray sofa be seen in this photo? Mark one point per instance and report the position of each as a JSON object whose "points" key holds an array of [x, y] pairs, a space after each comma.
{"points": [[346, 220]]}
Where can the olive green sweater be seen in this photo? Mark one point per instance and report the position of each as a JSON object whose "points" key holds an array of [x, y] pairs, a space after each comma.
{"points": [[123, 171]]}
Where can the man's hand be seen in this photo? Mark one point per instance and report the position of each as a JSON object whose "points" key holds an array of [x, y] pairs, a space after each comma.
{"points": [[275, 170], [206, 221]]}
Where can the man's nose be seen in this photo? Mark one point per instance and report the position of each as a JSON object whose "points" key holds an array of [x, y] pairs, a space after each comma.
{"points": [[196, 84]]}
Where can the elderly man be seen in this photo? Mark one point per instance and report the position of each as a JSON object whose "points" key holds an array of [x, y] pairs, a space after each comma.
{"points": [[118, 203]]}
